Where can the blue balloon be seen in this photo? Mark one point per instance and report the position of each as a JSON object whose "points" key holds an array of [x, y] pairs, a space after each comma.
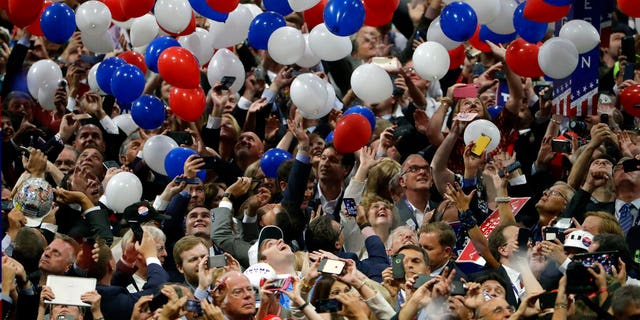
{"points": [[127, 83], [148, 112], [280, 6], [458, 21], [364, 111], [487, 35], [155, 48], [174, 163], [271, 161], [201, 7], [344, 17], [528, 30], [329, 137], [559, 3], [58, 22], [261, 28], [105, 71]]}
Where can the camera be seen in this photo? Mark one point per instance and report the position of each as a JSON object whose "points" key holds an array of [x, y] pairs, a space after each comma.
{"points": [[579, 127]]}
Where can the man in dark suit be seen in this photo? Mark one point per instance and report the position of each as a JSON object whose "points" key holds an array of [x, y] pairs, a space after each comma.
{"points": [[438, 239], [416, 181]]}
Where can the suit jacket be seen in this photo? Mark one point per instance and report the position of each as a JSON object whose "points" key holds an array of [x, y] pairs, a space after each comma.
{"points": [[117, 302], [224, 237], [502, 273], [403, 213]]}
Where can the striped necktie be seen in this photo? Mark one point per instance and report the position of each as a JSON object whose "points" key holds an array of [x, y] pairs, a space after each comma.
{"points": [[626, 218]]}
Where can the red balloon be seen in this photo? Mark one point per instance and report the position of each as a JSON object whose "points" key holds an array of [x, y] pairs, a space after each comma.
{"points": [[630, 100], [540, 11], [456, 56], [191, 28], [187, 104], [117, 13], [376, 17], [34, 28], [522, 58], [136, 8], [223, 6], [314, 16], [352, 132], [179, 68], [629, 7], [382, 5], [477, 43], [135, 59], [24, 12], [4, 4]]}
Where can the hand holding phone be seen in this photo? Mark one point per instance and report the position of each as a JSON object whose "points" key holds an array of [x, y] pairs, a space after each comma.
{"points": [[397, 266], [331, 266], [350, 205]]}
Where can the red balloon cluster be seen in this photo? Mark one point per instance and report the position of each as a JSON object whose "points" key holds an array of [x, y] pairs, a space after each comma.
{"points": [[314, 16], [456, 57], [187, 104], [134, 58], [629, 7], [540, 11], [34, 28], [630, 100], [352, 132], [522, 58], [223, 6], [136, 8], [24, 12], [379, 12]]}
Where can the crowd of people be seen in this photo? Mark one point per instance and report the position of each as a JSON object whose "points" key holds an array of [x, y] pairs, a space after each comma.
{"points": [[240, 244]]}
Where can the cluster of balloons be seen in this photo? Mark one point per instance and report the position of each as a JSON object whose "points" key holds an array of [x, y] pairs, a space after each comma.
{"points": [[353, 130], [42, 81]]}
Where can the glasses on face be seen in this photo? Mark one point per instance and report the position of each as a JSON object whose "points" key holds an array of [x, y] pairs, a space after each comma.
{"points": [[500, 310], [416, 169], [551, 192]]}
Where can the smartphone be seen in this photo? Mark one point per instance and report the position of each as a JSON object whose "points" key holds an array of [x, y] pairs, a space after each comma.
{"points": [[629, 49], [510, 168], [553, 233], [458, 288], [562, 146], [281, 282], [62, 83], [468, 91], [629, 71], [478, 69], [195, 180], [548, 300], [209, 162], [66, 317], [538, 86], [524, 235], [331, 266], [421, 279], [259, 73], [217, 261], [481, 145], [350, 204], [631, 165], [87, 246], [421, 34], [397, 265], [24, 151], [296, 73], [81, 116], [136, 228], [388, 64], [563, 223], [328, 306], [110, 164], [608, 259], [181, 137], [604, 118], [465, 116], [500, 76], [226, 82], [193, 306], [7, 205], [158, 301]]}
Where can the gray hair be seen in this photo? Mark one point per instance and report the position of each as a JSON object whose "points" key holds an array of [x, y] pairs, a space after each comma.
{"points": [[155, 232]]}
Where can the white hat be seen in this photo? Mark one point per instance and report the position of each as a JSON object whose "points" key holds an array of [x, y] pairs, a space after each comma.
{"points": [[579, 239]]}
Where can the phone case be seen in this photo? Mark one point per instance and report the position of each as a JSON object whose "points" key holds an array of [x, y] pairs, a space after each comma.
{"points": [[481, 145]]}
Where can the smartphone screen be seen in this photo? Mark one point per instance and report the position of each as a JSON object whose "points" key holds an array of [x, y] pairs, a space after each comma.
{"points": [[350, 204], [629, 48], [217, 261], [631, 165], [180, 137], [629, 71], [227, 81], [562, 146], [110, 164], [607, 259], [481, 145], [193, 306], [331, 266]]}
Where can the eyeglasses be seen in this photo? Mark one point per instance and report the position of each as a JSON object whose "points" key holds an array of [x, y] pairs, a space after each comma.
{"points": [[551, 192], [416, 169], [499, 310]]}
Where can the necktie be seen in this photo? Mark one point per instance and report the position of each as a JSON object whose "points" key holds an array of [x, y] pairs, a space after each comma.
{"points": [[626, 218]]}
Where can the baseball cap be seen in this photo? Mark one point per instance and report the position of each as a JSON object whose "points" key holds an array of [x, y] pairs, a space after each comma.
{"points": [[579, 239], [142, 212], [269, 232], [34, 198]]}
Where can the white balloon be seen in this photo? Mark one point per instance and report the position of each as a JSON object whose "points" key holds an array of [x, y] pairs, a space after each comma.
{"points": [[309, 94], [173, 15], [93, 16], [199, 43], [143, 30], [435, 33], [253, 8], [431, 60], [503, 23], [43, 73], [308, 59], [331, 96], [482, 127], [123, 24], [582, 34], [46, 96], [234, 30], [331, 99], [302, 5], [154, 151], [91, 78], [125, 123], [558, 58], [123, 190], [226, 63], [486, 10], [286, 45], [371, 83], [327, 46], [98, 42]]}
